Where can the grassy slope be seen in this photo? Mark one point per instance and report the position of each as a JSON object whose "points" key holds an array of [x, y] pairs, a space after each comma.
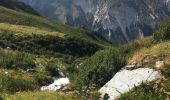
{"points": [[17, 23], [38, 96], [20, 30], [18, 18], [25, 29]]}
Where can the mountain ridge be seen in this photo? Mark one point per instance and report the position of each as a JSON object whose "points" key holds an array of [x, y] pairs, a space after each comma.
{"points": [[117, 21]]}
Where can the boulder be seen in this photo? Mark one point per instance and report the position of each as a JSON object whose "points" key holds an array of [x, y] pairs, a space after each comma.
{"points": [[125, 80]]}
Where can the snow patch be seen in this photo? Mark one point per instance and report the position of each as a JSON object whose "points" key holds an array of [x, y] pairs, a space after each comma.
{"points": [[56, 85]]}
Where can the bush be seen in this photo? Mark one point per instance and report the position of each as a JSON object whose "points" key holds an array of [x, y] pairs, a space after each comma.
{"points": [[135, 45], [166, 72], [100, 68], [163, 32], [1, 98], [10, 84], [52, 69], [16, 60], [43, 80], [143, 92], [48, 44]]}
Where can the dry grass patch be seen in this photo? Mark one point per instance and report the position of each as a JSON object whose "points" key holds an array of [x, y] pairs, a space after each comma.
{"points": [[157, 52], [28, 30]]}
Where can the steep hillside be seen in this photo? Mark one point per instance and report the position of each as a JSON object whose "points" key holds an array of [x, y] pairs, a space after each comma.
{"points": [[118, 21], [18, 6]]}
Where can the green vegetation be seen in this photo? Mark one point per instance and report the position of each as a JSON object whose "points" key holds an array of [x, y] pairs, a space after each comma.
{"points": [[16, 60], [163, 32], [38, 96], [34, 49], [19, 18], [101, 67], [11, 85], [47, 47], [144, 92], [93, 72]]}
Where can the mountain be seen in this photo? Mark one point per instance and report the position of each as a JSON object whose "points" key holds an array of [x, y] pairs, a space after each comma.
{"points": [[118, 21], [37, 54], [18, 6]]}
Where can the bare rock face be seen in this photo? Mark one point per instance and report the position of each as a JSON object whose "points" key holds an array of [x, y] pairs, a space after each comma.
{"points": [[119, 21], [125, 80]]}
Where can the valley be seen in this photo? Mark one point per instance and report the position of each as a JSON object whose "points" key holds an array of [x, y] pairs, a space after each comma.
{"points": [[44, 58]]}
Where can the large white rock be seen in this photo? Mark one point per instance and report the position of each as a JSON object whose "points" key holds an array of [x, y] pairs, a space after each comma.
{"points": [[125, 80], [56, 85]]}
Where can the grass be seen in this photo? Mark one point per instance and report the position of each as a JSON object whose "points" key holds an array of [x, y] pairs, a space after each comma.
{"points": [[28, 30], [49, 46], [167, 85], [11, 83], [144, 92], [16, 60], [38, 96], [19, 18], [161, 51]]}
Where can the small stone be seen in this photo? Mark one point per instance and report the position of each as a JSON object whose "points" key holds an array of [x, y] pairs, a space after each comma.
{"points": [[31, 70], [130, 67], [8, 47], [159, 64]]}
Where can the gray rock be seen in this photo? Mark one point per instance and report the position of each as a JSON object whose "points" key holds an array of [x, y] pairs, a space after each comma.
{"points": [[125, 80]]}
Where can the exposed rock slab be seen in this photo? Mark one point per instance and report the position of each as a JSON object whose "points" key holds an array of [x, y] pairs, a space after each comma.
{"points": [[125, 80]]}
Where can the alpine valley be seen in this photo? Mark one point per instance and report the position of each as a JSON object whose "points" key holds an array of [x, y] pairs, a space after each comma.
{"points": [[84, 49]]}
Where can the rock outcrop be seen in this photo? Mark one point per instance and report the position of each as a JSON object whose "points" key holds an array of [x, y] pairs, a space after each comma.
{"points": [[125, 80]]}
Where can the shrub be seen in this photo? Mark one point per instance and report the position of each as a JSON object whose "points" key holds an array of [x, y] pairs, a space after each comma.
{"points": [[143, 92], [167, 85], [1, 98], [100, 68], [10, 84], [166, 72], [43, 80], [16, 60], [52, 68], [163, 32], [48, 44]]}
